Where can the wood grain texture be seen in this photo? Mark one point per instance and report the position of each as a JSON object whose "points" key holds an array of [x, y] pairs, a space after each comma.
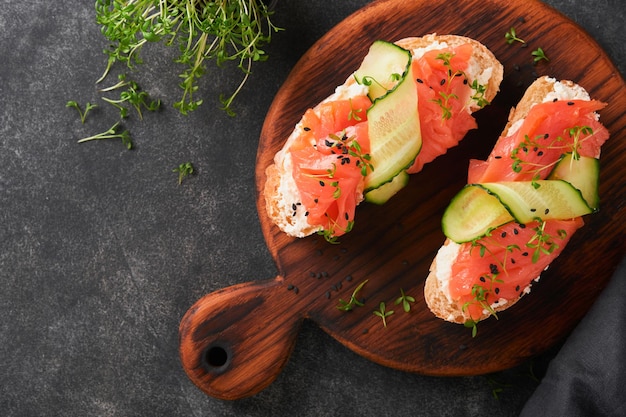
{"points": [[254, 325]]}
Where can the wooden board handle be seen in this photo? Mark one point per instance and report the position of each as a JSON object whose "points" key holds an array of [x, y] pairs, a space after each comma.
{"points": [[234, 342]]}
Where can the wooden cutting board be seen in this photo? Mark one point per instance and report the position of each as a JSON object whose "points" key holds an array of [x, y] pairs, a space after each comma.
{"points": [[234, 342]]}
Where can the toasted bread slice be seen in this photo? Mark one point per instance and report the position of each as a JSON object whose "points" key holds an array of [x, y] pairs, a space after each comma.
{"points": [[280, 189], [436, 291]]}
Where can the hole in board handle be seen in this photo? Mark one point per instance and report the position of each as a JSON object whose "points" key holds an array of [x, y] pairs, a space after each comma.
{"points": [[216, 358]]}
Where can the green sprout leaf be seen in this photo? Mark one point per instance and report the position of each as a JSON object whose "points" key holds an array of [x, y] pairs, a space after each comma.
{"points": [[511, 36], [81, 113], [112, 133], [383, 313], [183, 170]]}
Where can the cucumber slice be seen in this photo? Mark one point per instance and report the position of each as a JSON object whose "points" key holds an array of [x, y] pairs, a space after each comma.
{"points": [[583, 173], [382, 68], [383, 193], [479, 208], [471, 213], [546, 199], [393, 121], [394, 133]]}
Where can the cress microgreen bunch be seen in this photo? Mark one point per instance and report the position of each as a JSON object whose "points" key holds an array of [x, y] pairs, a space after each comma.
{"points": [[224, 30]]}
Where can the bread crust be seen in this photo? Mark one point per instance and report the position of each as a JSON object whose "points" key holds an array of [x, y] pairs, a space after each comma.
{"points": [[437, 298], [279, 191]]}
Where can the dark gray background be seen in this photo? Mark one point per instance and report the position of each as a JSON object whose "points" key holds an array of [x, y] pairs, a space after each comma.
{"points": [[101, 252]]}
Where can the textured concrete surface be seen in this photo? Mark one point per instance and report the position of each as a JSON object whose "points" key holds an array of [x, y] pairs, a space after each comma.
{"points": [[101, 252]]}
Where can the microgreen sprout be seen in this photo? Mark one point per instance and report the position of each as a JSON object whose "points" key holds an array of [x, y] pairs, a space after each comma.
{"points": [[542, 242], [479, 94], [185, 169], [132, 95], [405, 300], [354, 301], [368, 80], [539, 55], [82, 114], [383, 313], [511, 36], [112, 133]]}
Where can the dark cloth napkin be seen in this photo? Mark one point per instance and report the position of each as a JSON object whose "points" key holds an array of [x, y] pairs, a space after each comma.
{"points": [[587, 378]]}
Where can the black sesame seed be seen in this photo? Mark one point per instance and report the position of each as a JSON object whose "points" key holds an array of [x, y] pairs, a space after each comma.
{"points": [[346, 215], [497, 290], [327, 295], [324, 274], [290, 287], [522, 226], [546, 136], [293, 206], [497, 157], [322, 183], [464, 80], [296, 290], [515, 231], [524, 253], [524, 45], [293, 214], [339, 285], [517, 288], [540, 153], [349, 278], [306, 128], [503, 234], [328, 143], [516, 68], [419, 80], [312, 274], [306, 214], [554, 100], [493, 268], [365, 331], [513, 261], [533, 210], [482, 279], [442, 82], [315, 201], [546, 211], [570, 103]]}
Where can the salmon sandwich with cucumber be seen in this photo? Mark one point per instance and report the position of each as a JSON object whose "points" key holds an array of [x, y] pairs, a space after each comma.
{"points": [[406, 104], [521, 205]]}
